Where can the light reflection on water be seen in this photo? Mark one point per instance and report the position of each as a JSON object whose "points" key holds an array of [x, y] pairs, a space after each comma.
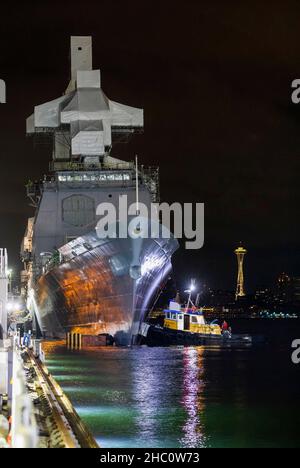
{"points": [[156, 396], [182, 397], [192, 398]]}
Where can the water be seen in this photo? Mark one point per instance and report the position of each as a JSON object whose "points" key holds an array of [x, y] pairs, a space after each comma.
{"points": [[183, 397]]}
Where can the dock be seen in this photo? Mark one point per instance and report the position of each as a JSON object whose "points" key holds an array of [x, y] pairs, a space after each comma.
{"points": [[38, 412]]}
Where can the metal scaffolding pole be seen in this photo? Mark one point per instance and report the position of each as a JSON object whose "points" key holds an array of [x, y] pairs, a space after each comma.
{"points": [[4, 280]]}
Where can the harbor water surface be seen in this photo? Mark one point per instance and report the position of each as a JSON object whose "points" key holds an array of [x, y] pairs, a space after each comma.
{"points": [[183, 397]]}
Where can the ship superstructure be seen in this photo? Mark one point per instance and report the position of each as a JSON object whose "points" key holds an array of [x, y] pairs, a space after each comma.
{"points": [[74, 279]]}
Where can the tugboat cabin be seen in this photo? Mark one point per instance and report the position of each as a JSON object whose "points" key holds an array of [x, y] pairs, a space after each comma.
{"points": [[188, 320]]}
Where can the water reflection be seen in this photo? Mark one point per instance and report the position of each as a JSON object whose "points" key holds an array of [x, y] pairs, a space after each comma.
{"points": [[183, 397], [145, 390], [155, 397], [193, 399], [169, 398]]}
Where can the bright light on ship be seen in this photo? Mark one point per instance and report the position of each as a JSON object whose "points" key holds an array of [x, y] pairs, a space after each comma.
{"points": [[191, 288], [13, 306]]}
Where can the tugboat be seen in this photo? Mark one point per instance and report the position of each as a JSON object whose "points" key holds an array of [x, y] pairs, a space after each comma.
{"points": [[188, 327]]}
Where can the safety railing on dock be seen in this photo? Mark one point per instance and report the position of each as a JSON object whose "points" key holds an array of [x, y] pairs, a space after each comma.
{"points": [[24, 429]]}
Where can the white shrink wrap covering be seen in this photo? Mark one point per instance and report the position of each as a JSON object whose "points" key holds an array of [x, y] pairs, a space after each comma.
{"points": [[84, 111]]}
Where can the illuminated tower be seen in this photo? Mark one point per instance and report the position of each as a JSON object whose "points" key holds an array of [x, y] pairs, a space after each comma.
{"points": [[240, 288]]}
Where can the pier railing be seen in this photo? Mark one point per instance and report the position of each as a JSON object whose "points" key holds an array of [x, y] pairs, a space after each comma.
{"points": [[24, 430], [75, 173]]}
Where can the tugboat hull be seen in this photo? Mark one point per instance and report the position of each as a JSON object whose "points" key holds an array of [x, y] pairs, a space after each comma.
{"points": [[159, 336]]}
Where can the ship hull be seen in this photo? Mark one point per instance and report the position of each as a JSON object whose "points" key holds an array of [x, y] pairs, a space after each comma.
{"points": [[102, 286]]}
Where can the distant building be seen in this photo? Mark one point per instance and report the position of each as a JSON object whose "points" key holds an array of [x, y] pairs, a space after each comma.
{"points": [[287, 290], [263, 295], [217, 297], [296, 291], [283, 290], [225, 313]]}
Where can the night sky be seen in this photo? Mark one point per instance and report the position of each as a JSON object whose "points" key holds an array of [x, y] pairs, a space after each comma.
{"points": [[214, 79]]}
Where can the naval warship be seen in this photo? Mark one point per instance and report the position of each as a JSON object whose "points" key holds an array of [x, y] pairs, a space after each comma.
{"points": [[76, 281]]}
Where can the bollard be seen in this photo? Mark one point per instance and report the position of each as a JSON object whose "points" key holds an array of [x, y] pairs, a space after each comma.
{"points": [[36, 344], [74, 340]]}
